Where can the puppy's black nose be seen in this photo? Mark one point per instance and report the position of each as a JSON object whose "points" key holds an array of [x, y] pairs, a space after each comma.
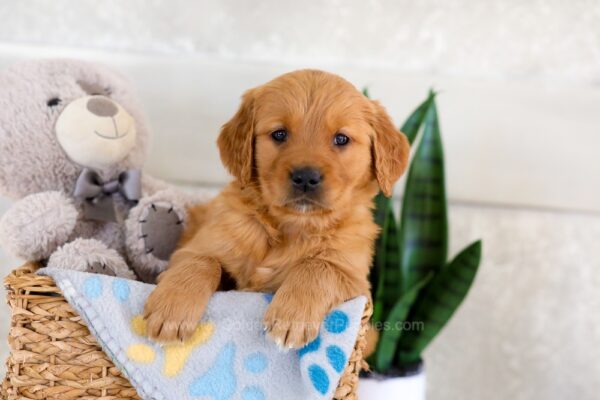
{"points": [[306, 179]]}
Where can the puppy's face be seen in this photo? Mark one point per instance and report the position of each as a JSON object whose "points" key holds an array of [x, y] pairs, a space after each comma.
{"points": [[313, 144]]}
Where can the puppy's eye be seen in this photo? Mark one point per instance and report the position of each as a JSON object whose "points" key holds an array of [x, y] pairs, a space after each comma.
{"points": [[279, 135], [340, 139], [53, 102]]}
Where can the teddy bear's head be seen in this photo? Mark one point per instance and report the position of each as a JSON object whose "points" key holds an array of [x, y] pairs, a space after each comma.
{"points": [[58, 117]]}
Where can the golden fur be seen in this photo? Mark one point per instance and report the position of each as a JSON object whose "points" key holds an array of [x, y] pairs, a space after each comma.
{"points": [[313, 253]]}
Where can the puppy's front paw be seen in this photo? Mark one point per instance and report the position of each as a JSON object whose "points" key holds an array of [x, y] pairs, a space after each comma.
{"points": [[172, 316], [293, 321]]}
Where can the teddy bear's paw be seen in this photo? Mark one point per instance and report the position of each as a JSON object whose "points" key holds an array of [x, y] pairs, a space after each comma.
{"points": [[97, 267], [37, 225], [154, 227], [161, 229], [90, 255]]}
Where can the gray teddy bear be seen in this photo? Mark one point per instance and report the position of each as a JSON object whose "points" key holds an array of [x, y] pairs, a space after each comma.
{"points": [[72, 145]]}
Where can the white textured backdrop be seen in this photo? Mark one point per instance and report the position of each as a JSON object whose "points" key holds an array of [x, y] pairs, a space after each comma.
{"points": [[515, 39], [519, 108]]}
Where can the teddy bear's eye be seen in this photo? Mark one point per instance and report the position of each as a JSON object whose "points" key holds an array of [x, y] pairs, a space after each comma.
{"points": [[53, 102]]}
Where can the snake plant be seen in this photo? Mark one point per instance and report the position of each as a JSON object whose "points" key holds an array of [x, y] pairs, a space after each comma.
{"points": [[416, 290]]}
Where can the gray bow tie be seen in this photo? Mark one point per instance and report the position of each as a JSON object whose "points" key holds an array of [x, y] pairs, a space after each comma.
{"points": [[99, 196]]}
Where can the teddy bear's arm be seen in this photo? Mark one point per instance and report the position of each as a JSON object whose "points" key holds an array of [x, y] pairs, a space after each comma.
{"points": [[38, 224], [90, 255]]}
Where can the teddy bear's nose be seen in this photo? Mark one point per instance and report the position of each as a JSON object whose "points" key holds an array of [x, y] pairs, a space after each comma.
{"points": [[102, 107]]}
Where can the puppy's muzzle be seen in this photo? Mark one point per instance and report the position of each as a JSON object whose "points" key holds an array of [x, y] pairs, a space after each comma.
{"points": [[306, 180]]}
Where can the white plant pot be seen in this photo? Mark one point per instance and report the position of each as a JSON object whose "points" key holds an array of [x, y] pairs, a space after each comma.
{"points": [[378, 387]]}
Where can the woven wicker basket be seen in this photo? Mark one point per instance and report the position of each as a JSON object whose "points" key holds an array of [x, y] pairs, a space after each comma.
{"points": [[54, 356]]}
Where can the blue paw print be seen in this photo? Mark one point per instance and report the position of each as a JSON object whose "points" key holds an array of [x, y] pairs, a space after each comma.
{"points": [[121, 290], [311, 347], [256, 363], [336, 322], [268, 297], [319, 378], [92, 287], [253, 393], [219, 382], [336, 358]]}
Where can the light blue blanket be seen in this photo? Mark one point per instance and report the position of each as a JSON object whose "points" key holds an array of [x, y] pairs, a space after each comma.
{"points": [[229, 356]]}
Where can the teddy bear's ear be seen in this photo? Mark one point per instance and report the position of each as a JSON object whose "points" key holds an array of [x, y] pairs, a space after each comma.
{"points": [[236, 141]]}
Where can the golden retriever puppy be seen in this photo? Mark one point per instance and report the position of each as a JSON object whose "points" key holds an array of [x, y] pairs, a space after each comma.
{"points": [[308, 152]]}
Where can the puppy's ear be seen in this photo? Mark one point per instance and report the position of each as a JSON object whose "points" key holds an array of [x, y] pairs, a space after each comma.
{"points": [[390, 150], [236, 140]]}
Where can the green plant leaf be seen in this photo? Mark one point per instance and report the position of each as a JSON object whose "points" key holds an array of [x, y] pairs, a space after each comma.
{"points": [[412, 124], [438, 301], [382, 207], [385, 274], [424, 224], [391, 332], [365, 91]]}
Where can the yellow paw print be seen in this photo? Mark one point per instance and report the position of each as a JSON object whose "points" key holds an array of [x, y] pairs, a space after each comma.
{"points": [[141, 353], [176, 354]]}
